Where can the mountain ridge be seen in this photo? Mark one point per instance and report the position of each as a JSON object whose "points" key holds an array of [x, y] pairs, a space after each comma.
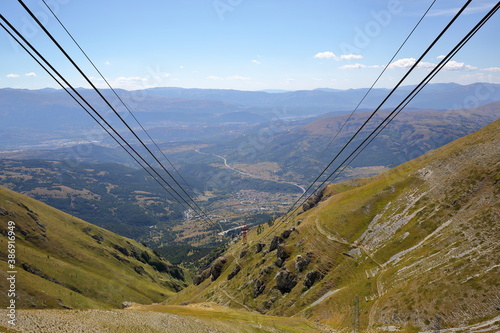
{"points": [[50, 118], [64, 262], [415, 243]]}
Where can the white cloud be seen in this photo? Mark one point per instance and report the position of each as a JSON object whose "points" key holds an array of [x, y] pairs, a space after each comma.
{"points": [[107, 63], [181, 67], [256, 61], [424, 64], [403, 63], [325, 55], [458, 66], [33, 74], [331, 55], [11, 76], [350, 56], [491, 69], [440, 57], [213, 77], [238, 77], [450, 66]]}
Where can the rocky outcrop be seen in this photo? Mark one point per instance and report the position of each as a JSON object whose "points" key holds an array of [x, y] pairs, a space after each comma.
{"points": [[301, 263], [285, 234], [217, 268], [233, 273], [258, 288], [214, 271], [259, 247], [282, 254], [286, 281], [275, 242], [313, 200], [311, 278]]}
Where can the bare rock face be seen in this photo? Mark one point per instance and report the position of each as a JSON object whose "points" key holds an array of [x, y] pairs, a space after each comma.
{"points": [[214, 271], [233, 273], [275, 242], [313, 200], [301, 263], [259, 247], [258, 288], [286, 281], [217, 268], [282, 254], [311, 278], [285, 234]]}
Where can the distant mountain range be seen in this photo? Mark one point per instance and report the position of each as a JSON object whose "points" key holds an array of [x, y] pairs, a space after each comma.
{"points": [[50, 116], [322, 100]]}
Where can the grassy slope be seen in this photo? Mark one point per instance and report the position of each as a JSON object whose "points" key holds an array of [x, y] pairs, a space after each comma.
{"points": [[426, 239], [70, 263]]}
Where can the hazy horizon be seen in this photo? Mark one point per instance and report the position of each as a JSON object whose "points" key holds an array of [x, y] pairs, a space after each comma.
{"points": [[252, 46]]}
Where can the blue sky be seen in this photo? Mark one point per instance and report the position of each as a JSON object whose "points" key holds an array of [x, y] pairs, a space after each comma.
{"points": [[248, 44]]}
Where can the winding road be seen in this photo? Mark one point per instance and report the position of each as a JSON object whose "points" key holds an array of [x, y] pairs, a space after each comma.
{"points": [[249, 174]]}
